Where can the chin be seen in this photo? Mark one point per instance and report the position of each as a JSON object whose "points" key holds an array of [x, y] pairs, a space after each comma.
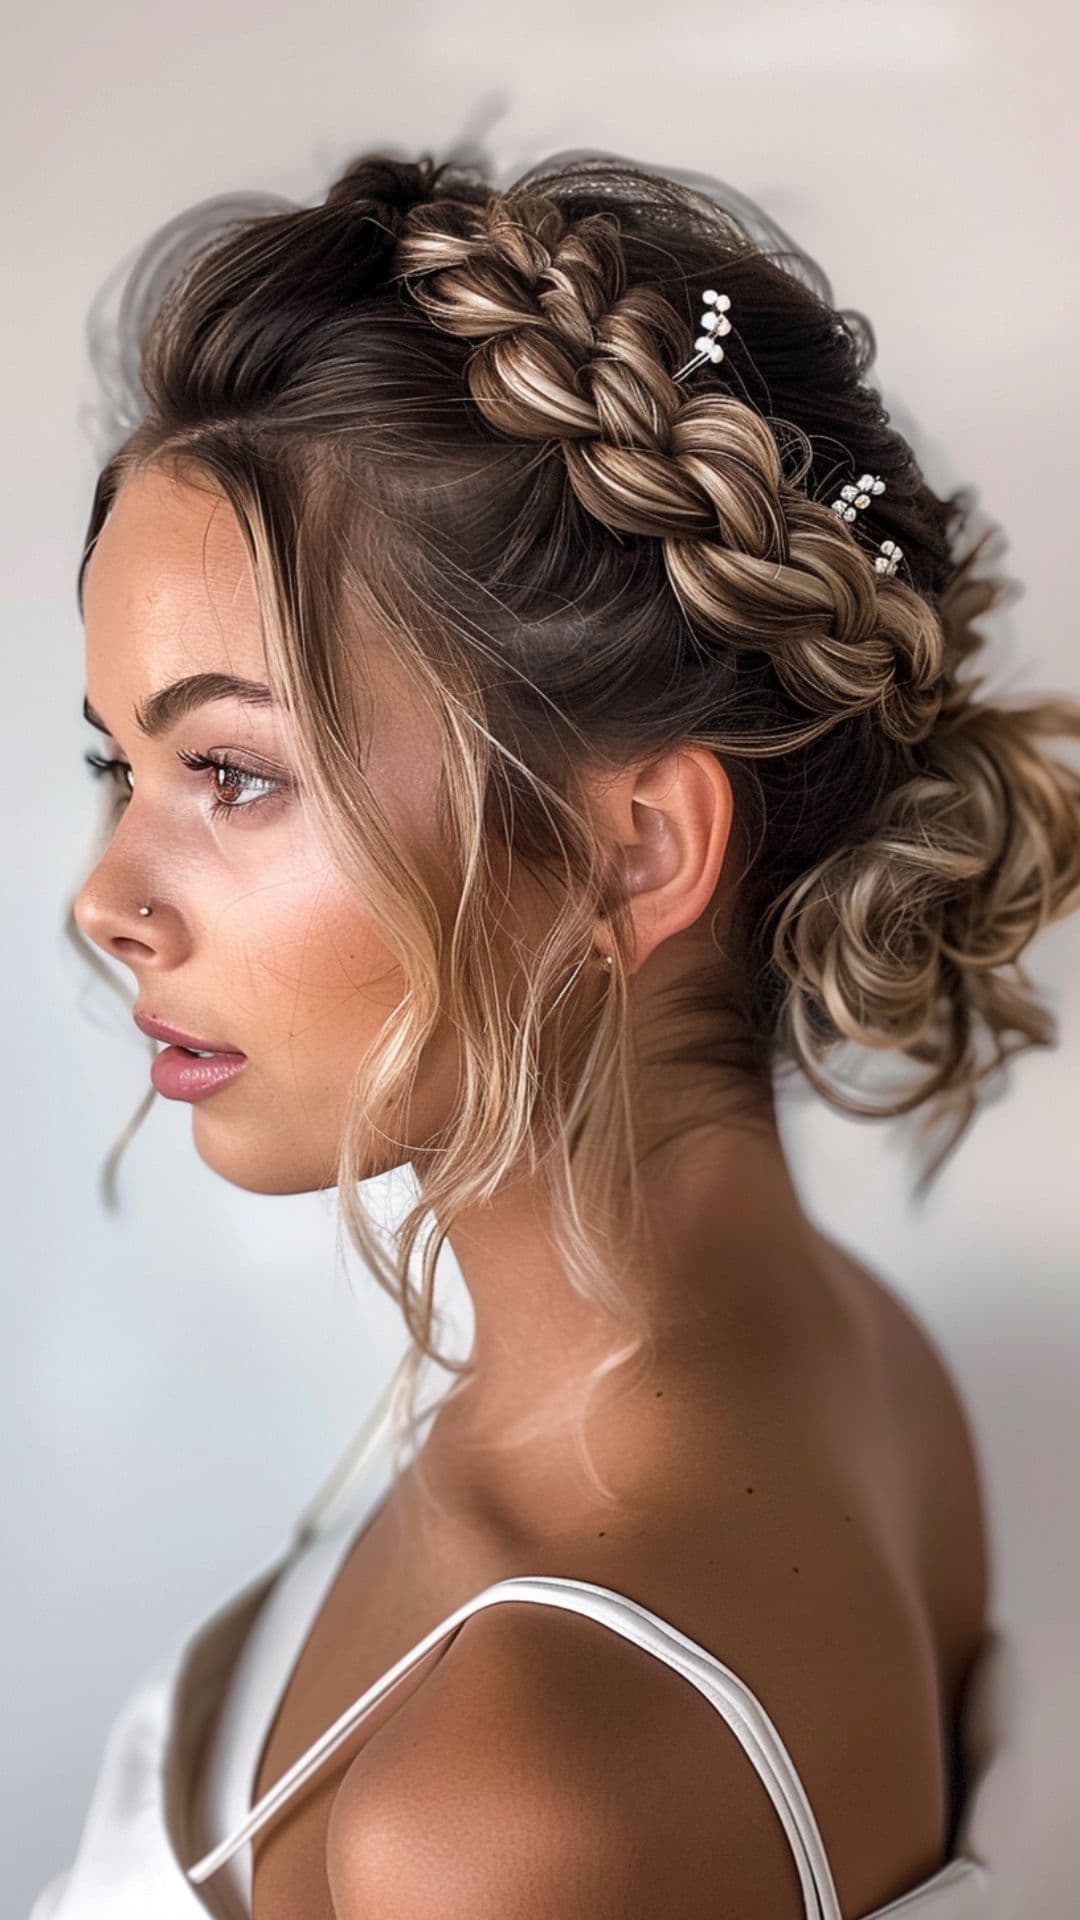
{"points": [[275, 1166], [238, 1159]]}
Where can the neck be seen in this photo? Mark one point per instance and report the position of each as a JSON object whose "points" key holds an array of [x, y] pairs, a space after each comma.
{"points": [[721, 1292]]}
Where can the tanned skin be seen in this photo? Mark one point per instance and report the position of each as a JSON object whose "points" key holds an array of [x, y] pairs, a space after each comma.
{"points": [[791, 1480]]}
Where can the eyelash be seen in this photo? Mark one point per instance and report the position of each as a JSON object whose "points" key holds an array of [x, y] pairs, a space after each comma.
{"points": [[100, 767]]}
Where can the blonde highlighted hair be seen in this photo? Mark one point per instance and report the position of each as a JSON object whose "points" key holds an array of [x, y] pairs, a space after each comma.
{"points": [[448, 409]]}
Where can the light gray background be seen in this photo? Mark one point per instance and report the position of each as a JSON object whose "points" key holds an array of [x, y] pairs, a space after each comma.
{"points": [[182, 1377]]}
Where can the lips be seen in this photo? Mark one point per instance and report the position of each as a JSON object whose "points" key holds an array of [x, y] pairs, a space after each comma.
{"points": [[180, 1075], [157, 1030]]}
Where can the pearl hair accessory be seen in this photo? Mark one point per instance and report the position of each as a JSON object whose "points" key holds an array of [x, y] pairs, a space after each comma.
{"points": [[713, 321], [853, 497], [889, 558]]}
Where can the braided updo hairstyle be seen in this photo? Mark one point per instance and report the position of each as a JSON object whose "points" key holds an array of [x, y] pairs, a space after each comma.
{"points": [[452, 409]]}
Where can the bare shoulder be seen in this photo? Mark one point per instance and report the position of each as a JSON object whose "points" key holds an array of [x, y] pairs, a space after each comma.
{"points": [[549, 1766], [936, 1437]]}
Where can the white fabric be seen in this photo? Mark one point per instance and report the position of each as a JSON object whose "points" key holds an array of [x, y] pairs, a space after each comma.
{"points": [[147, 1853]]}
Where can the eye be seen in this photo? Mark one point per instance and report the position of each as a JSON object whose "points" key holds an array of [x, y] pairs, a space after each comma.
{"points": [[227, 779], [113, 769]]}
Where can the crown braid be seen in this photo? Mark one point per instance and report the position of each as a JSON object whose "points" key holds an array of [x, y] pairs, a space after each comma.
{"points": [[566, 351]]}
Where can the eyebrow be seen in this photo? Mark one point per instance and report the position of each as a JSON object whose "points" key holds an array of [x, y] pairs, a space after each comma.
{"points": [[162, 710]]}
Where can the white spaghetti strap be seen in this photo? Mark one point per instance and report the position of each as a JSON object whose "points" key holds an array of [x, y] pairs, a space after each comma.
{"points": [[743, 1712]]}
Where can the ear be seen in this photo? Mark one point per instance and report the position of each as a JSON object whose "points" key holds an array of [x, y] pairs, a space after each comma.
{"points": [[668, 822]]}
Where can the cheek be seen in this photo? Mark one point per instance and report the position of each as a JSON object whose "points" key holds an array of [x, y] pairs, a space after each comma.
{"points": [[318, 980]]}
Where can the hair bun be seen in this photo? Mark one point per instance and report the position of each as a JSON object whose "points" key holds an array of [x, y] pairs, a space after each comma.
{"points": [[394, 184]]}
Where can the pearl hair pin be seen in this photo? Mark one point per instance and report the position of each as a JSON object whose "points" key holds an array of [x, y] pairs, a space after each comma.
{"points": [[855, 495], [889, 558], [851, 501], [852, 497], [713, 321]]}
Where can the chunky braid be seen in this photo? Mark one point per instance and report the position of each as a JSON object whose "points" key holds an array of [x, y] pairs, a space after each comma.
{"points": [[567, 351]]}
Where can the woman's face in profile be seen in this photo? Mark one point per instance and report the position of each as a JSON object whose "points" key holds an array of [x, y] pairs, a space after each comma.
{"points": [[255, 942]]}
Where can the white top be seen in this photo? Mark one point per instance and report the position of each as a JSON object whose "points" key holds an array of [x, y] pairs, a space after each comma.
{"points": [[147, 1853]]}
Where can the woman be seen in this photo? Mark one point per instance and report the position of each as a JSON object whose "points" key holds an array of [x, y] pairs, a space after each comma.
{"points": [[533, 732]]}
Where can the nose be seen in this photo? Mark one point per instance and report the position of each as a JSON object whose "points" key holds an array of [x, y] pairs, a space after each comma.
{"points": [[107, 912]]}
